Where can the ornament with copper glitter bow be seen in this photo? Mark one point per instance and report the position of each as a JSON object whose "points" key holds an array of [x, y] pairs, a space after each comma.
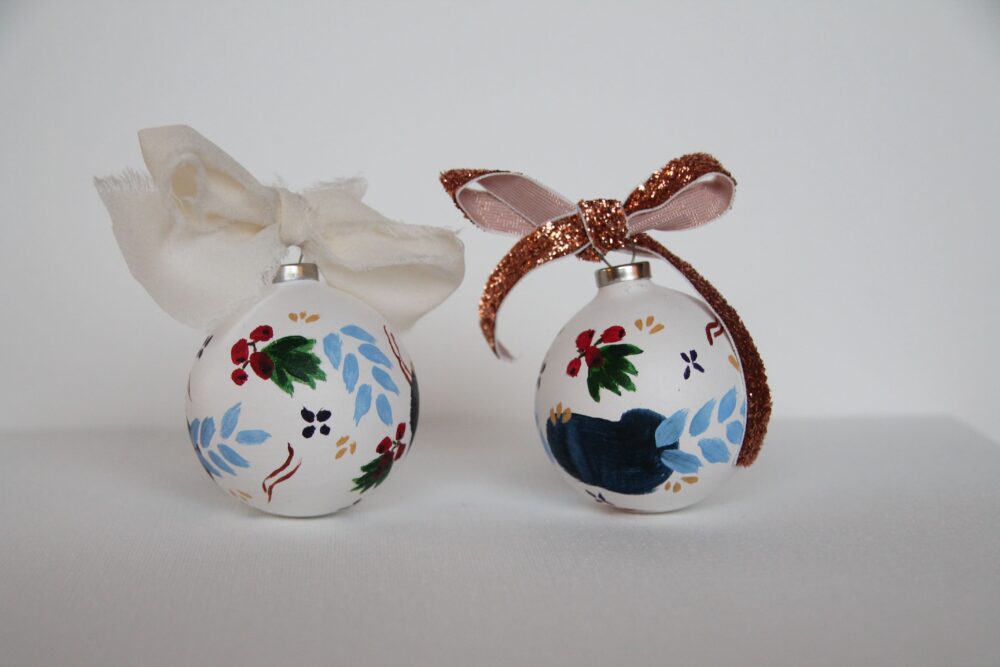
{"points": [[688, 192]]}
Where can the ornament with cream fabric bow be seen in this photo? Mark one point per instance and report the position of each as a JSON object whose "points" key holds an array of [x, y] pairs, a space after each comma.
{"points": [[648, 397], [301, 400]]}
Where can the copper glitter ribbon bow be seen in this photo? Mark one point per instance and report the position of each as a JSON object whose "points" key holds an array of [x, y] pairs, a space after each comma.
{"points": [[689, 191]]}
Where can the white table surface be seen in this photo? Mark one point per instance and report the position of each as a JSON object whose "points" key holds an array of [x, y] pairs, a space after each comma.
{"points": [[850, 542]]}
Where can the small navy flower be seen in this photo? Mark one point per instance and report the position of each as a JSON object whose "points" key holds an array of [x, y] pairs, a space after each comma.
{"points": [[313, 418], [691, 359]]}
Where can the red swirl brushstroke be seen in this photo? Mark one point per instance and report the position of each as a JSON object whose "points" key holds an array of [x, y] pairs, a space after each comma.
{"points": [[407, 373], [708, 331], [270, 489], [278, 481]]}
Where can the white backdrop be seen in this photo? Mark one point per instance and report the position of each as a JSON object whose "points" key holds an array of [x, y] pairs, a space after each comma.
{"points": [[861, 250]]}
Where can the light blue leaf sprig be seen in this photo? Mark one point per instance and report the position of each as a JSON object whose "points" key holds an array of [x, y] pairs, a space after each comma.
{"points": [[713, 450], [202, 432], [349, 366]]}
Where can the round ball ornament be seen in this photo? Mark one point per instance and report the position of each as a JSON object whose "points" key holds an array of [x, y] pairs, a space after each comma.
{"points": [[641, 402], [303, 403], [648, 397]]}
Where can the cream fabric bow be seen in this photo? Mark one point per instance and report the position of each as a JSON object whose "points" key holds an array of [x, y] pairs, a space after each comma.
{"points": [[204, 237]]}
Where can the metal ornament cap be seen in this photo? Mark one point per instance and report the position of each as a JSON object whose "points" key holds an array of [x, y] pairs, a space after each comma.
{"points": [[622, 273], [287, 273]]}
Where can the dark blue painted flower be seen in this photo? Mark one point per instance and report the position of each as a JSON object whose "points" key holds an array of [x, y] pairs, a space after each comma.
{"points": [[691, 359], [312, 419]]}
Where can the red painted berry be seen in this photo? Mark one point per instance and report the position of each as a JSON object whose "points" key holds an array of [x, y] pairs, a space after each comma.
{"points": [[574, 368], [400, 430], [383, 446], [584, 340], [262, 365], [239, 376], [262, 334], [399, 451], [613, 334], [240, 352], [593, 356]]}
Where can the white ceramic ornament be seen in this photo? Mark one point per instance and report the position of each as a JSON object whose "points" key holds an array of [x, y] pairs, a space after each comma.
{"points": [[305, 402], [648, 397], [640, 401]]}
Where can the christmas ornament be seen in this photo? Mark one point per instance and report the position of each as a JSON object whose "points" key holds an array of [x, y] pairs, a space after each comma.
{"points": [[301, 401], [648, 397]]}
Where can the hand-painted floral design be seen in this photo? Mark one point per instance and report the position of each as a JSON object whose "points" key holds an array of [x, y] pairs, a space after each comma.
{"points": [[651, 328], [607, 366], [377, 364], [715, 450], [389, 450], [283, 361], [303, 316], [642, 450], [691, 359], [344, 448], [313, 419], [221, 456]]}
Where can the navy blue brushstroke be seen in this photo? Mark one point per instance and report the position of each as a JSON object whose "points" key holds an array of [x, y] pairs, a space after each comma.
{"points": [[414, 404], [619, 456]]}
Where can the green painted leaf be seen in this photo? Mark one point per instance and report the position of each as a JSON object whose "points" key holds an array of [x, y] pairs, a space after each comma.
{"points": [[614, 371], [373, 473], [594, 387], [280, 378], [294, 361], [623, 380], [620, 350], [285, 344], [608, 382]]}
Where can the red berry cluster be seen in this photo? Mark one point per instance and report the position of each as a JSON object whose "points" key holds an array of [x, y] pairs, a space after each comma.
{"points": [[391, 449], [259, 362], [588, 351]]}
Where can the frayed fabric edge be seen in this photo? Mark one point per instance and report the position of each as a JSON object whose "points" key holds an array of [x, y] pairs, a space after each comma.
{"points": [[130, 180]]}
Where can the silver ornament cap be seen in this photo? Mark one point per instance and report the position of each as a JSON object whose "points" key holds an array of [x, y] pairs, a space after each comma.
{"points": [[287, 273], [623, 273]]}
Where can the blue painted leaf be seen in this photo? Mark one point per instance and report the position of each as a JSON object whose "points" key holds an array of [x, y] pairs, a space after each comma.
{"points": [[252, 437], [207, 431], [727, 405], [217, 460], [206, 465], [362, 402], [743, 409], [193, 431], [714, 450], [333, 348], [230, 454], [354, 331], [679, 461], [229, 421], [384, 379], [350, 372], [734, 432], [701, 419], [374, 355], [670, 429], [384, 409]]}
